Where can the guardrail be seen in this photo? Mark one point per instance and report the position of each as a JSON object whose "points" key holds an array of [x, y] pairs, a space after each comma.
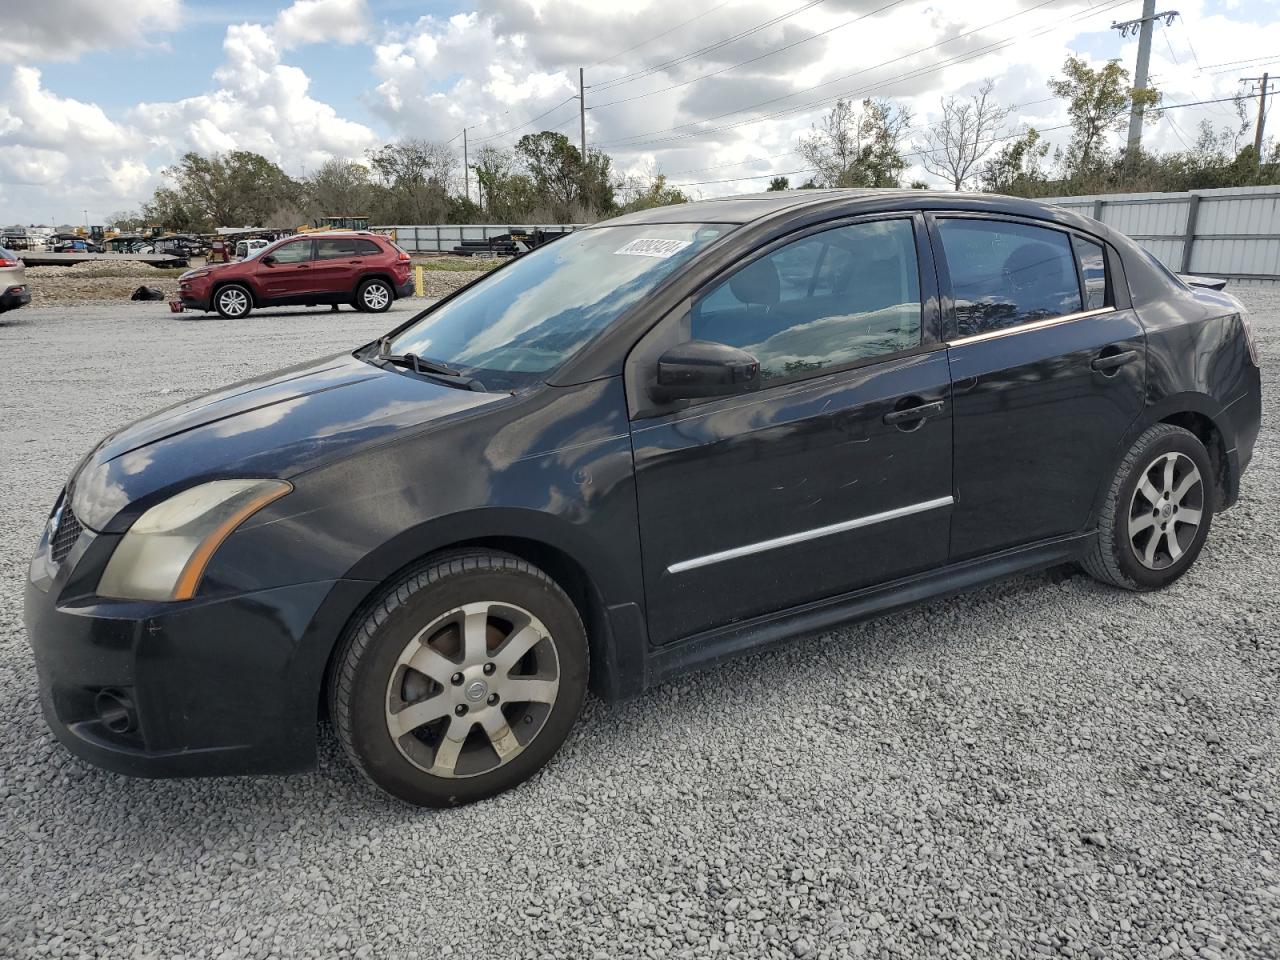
{"points": [[442, 238], [1232, 233]]}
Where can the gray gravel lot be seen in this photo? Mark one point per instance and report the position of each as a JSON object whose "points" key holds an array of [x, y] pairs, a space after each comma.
{"points": [[1045, 767]]}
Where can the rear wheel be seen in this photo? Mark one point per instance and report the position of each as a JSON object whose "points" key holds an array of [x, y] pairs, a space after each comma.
{"points": [[374, 296], [462, 681], [1156, 517], [233, 301]]}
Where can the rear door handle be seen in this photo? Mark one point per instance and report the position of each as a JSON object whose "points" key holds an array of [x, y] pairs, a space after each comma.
{"points": [[919, 412], [1113, 361]]}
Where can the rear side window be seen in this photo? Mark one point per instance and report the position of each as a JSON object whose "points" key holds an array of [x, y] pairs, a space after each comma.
{"points": [[1006, 274], [1093, 270], [367, 248], [334, 248]]}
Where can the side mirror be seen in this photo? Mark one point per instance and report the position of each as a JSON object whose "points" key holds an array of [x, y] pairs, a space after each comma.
{"points": [[268, 260], [702, 368]]}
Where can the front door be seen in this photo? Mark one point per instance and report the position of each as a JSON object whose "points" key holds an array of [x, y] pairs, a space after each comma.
{"points": [[288, 276], [1048, 367], [826, 479]]}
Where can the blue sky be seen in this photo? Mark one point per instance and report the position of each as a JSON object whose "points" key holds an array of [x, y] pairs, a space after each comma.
{"points": [[95, 98]]}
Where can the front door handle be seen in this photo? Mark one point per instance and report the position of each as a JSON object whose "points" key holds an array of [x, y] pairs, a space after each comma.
{"points": [[919, 411], [1113, 361]]}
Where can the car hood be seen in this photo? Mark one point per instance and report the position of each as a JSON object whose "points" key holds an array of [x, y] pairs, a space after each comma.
{"points": [[210, 268], [275, 426]]}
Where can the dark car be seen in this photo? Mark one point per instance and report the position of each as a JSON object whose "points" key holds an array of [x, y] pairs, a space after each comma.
{"points": [[658, 442], [364, 269]]}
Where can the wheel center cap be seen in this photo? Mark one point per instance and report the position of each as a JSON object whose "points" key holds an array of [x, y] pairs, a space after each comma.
{"points": [[1166, 511], [477, 690]]}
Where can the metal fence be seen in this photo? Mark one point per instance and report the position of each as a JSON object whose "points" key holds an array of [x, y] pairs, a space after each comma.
{"points": [[442, 238], [1232, 233]]}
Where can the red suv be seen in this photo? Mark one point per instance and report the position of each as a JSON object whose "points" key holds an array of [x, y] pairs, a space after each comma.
{"points": [[363, 269]]}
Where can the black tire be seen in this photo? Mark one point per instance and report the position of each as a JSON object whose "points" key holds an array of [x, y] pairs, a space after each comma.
{"points": [[369, 672], [234, 301], [1115, 557], [374, 296]]}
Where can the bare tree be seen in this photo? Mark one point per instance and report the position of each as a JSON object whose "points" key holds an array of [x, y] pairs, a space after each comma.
{"points": [[954, 147], [858, 147]]}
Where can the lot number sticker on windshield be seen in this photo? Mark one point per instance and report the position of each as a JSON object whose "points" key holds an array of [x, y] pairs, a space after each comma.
{"points": [[653, 248]]}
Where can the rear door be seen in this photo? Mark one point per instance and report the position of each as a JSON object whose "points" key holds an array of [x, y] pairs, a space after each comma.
{"points": [[1048, 372], [836, 473], [289, 276], [336, 265]]}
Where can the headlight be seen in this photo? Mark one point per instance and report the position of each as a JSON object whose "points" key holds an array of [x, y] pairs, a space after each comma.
{"points": [[194, 275], [165, 552]]}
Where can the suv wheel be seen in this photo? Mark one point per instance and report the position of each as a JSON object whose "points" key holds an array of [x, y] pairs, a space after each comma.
{"points": [[374, 296], [1156, 517], [233, 301], [462, 681]]}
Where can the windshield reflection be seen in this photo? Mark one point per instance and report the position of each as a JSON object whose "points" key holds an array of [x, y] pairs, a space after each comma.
{"points": [[516, 325]]}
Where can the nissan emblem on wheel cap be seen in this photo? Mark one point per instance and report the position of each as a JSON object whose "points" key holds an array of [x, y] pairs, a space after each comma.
{"points": [[477, 689]]}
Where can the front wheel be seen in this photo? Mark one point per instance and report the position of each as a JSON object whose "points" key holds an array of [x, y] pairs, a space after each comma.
{"points": [[233, 301], [462, 681], [1157, 513], [374, 296]]}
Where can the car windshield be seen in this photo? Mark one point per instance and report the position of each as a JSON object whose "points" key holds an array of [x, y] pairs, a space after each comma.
{"points": [[509, 329]]}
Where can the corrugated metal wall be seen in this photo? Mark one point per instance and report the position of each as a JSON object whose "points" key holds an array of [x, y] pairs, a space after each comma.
{"points": [[442, 238], [1233, 233]]}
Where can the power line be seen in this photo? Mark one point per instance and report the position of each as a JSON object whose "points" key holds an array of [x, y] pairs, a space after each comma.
{"points": [[991, 140], [655, 68], [635, 141], [664, 33], [520, 126], [743, 63]]}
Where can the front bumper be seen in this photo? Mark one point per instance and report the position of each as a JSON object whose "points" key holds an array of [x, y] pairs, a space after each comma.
{"points": [[15, 296], [193, 297], [226, 685]]}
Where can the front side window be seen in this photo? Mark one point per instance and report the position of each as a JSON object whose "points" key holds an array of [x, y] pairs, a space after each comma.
{"points": [[299, 251], [514, 326], [1006, 274], [829, 299]]}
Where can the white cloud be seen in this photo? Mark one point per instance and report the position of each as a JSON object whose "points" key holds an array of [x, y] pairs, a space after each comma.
{"points": [[322, 21], [65, 29]]}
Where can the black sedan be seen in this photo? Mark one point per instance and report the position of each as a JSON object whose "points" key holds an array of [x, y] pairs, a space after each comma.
{"points": [[650, 445]]}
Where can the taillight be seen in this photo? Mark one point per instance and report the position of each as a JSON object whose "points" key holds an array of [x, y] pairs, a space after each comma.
{"points": [[6, 262], [403, 258], [1248, 337]]}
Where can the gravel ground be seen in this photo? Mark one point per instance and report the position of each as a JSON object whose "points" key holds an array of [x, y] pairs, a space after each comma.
{"points": [[1044, 767]]}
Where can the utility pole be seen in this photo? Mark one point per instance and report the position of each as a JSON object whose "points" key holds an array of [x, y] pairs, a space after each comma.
{"points": [[1142, 27], [582, 115], [466, 172], [1262, 82]]}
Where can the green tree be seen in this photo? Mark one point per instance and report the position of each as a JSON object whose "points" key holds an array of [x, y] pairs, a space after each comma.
{"points": [[779, 183], [1018, 167], [641, 193], [230, 189], [858, 147], [413, 182], [1098, 103], [339, 188]]}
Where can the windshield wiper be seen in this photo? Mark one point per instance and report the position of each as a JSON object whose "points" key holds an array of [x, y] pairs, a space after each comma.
{"points": [[429, 368]]}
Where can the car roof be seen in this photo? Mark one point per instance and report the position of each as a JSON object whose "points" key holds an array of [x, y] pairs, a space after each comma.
{"points": [[746, 208]]}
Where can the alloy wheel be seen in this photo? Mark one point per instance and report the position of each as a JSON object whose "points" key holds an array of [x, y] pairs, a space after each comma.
{"points": [[1166, 510], [376, 296], [233, 301], [472, 689]]}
